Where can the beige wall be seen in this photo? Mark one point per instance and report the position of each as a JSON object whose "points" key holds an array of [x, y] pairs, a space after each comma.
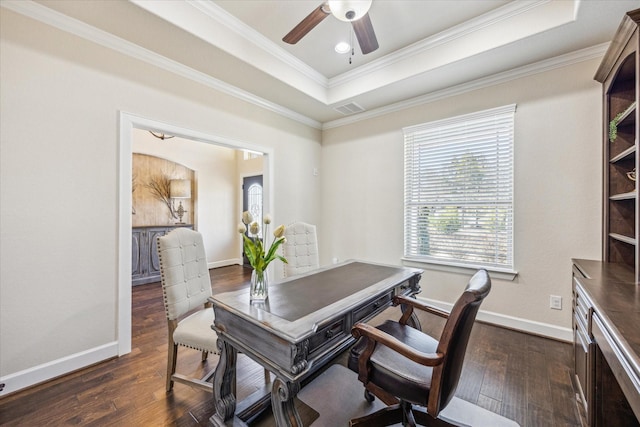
{"points": [[557, 191], [59, 180]]}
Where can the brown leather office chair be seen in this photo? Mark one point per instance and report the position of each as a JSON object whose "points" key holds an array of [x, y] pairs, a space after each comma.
{"points": [[404, 366]]}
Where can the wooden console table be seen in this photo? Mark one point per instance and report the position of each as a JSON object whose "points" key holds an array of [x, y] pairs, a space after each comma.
{"points": [[606, 320], [305, 323]]}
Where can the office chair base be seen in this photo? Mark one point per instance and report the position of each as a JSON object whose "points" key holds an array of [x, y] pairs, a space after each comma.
{"points": [[399, 414]]}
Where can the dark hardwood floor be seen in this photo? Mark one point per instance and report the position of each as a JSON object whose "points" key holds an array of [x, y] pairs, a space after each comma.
{"points": [[523, 377]]}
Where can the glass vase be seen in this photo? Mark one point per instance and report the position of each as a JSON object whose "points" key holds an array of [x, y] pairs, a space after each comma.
{"points": [[259, 286]]}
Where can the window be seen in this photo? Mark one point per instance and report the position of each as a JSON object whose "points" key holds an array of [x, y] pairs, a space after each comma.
{"points": [[254, 195], [459, 190], [250, 155]]}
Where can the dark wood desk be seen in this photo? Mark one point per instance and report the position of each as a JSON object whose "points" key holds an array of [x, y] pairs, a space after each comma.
{"points": [[607, 343], [305, 323]]}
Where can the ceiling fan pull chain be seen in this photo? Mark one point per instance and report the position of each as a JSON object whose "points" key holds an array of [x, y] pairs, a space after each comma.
{"points": [[351, 43]]}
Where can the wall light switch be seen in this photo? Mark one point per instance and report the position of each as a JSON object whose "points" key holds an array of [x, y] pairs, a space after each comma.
{"points": [[555, 302]]}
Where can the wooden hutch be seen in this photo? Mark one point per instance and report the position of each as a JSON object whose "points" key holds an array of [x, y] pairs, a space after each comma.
{"points": [[606, 308]]}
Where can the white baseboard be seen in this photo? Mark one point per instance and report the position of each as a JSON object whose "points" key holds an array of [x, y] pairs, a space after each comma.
{"points": [[56, 368], [519, 324], [224, 263]]}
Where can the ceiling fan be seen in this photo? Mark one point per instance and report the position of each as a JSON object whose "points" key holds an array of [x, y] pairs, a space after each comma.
{"points": [[354, 11]]}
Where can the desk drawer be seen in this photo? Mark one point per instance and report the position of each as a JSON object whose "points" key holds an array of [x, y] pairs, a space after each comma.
{"points": [[371, 307], [327, 334]]}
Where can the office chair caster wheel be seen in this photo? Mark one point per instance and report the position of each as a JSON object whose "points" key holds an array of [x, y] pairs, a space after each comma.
{"points": [[368, 396]]}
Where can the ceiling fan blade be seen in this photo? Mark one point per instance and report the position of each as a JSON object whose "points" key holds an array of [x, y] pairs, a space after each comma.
{"points": [[365, 34], [306, 25]]}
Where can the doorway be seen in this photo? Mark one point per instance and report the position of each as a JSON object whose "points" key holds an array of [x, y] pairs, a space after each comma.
{"points": [[128, 122]]}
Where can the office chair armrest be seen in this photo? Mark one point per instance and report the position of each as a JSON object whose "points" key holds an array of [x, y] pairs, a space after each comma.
{"points": [[375, 335], [412, 302]]}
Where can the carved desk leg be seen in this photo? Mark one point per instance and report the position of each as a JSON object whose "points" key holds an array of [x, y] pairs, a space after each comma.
{"points": [[282, 403], [224, 384], [414, 285], [413, 321]]}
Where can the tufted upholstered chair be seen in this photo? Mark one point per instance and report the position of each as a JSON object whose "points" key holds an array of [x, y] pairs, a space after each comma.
{"points": [[300, 249], [404, 366], [186, 286]]}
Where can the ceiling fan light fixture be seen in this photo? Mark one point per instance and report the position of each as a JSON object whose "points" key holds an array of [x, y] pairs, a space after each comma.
{"points": [[343, 47], [349, 10]]}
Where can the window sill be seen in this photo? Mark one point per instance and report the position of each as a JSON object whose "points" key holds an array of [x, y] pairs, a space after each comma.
{"points": [[495, 273]]}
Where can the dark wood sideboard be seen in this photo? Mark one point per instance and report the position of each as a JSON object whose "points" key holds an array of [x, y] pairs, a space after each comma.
{"points": [[145, 266]]}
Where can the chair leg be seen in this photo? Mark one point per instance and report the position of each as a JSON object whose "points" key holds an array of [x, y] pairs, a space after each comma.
{"points": [[407, 415], [267, 376], [171, 364]]}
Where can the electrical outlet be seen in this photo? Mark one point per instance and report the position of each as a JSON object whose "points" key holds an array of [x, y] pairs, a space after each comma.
{"points": [[555, 302]]}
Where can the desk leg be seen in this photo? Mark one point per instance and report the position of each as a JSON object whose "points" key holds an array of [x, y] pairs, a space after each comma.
{"points": [[414, 322], [224, 384], [282, 403]]}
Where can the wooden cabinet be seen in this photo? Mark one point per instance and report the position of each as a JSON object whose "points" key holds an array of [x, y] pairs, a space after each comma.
{"points": [[619, 76], [606, 295], [145, 265], [606, 315]]}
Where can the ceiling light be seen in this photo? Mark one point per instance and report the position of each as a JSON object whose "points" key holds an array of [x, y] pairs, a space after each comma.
{"points": [[161, 136], [349, 10], [343, 47]]}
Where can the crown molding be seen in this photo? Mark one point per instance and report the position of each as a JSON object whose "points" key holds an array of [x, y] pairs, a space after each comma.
{"points": [[73, 26], [466, 28], [241, 29], [65, 23], [214, 26], [495, 79]]}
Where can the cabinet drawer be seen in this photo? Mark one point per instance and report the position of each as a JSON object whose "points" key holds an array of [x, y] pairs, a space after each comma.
{"points": [[365, 310], [582, 307], [582, 347]]}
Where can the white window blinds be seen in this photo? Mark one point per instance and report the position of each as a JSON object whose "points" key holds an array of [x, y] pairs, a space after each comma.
{"points": [[459, 190]]}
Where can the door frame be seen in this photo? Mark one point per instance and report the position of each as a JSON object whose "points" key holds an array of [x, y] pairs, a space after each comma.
{"points": [[128, 122]]}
